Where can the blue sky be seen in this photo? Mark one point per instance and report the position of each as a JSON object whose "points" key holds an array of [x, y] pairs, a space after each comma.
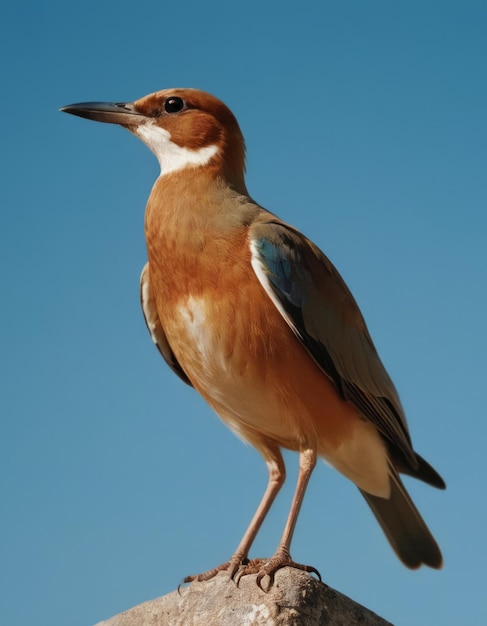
{"points": [[365, 128]]}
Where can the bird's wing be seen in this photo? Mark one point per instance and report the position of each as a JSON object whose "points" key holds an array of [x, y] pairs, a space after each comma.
{"points": [[154, 325], [318, 306]]}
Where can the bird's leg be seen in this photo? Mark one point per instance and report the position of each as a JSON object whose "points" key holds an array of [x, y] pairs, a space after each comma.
{"points": [[282, 557], [277, 476]]}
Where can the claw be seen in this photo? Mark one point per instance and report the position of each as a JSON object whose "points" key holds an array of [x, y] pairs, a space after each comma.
{"points": [[260, 576], [278, 561], [248, 566], [232, 567], [269, 567]]}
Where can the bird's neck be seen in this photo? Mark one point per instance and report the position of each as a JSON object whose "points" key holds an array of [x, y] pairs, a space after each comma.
{"points": [[194, 222], [190, 204]]}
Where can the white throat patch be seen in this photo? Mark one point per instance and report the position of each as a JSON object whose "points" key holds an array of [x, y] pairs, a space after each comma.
{"points": [[172, 157]]}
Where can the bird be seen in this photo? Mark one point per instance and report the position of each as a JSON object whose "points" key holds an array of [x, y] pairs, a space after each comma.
{"points": [[249, 312]]}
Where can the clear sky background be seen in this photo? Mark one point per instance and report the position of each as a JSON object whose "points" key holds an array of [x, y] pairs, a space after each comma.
{"points": [[365, 126]]}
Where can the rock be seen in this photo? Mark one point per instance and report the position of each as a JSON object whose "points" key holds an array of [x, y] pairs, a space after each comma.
{"points": [[295, 599]]}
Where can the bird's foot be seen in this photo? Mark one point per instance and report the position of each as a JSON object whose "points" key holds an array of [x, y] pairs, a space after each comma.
{"points": [[269, 567], [232, 567], [238, 566]]}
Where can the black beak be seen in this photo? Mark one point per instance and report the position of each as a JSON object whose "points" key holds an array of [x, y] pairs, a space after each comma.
{"points": [[123, 113]]}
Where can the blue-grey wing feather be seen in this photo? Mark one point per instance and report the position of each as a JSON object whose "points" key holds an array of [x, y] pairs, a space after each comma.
{"points": [[318, 306]]}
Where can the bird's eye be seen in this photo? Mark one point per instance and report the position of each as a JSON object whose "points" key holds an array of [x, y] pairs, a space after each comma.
{"points": [[173, 105]]}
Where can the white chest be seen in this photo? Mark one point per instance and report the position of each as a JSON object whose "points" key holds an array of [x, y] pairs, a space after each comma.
{"points": [[200, 336]]}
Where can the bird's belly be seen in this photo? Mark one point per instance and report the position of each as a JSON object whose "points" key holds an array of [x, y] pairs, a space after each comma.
{"points": [[252, 370], [256, 375], [228, 370]]}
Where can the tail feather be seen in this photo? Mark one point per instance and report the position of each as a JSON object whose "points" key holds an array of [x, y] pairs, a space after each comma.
{"points": [[426, 473], [404, 527]]}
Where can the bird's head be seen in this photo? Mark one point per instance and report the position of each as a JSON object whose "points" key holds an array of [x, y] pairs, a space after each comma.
{"points": [[184, 128]]}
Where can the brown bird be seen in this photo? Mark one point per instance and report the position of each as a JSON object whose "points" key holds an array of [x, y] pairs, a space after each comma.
{"points": [[252, 314]]}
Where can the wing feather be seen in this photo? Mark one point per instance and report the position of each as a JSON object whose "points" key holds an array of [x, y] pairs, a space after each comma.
{"points": [[154, 325], [320, 309]]}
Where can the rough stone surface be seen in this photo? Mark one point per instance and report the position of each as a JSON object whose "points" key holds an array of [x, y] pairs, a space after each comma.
{"points": [[296, 599]]}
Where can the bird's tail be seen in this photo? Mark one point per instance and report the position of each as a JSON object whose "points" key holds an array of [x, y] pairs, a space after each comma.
{"points": [[404, 527]]}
